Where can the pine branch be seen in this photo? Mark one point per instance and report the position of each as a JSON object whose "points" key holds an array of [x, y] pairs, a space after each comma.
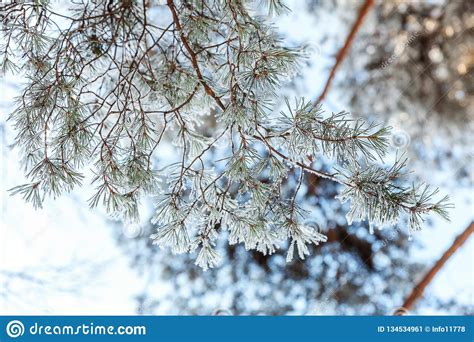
{"points": [[418, 290], [112, 87], [192, 55]]}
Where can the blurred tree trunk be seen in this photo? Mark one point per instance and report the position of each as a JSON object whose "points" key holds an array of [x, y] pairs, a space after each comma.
{"points": [[417, 292], [345, 48]]}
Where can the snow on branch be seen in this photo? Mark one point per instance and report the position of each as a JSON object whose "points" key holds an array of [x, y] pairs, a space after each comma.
{"points": [[111, 84]]}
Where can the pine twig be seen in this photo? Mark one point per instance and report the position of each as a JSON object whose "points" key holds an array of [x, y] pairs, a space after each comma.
{"points": [[192, 55], [417, 292], [345, 48]]}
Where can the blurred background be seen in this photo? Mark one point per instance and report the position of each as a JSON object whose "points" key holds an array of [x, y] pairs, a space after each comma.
{"points": [[410, 65]]}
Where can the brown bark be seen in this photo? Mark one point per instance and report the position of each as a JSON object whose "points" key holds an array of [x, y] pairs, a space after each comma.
{"points": [[192, 55], [417, 292], [345, 48]]}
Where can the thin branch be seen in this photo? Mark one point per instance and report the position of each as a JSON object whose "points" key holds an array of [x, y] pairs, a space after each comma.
{"points": [[417, 292], [345, 48], [192, 55]]}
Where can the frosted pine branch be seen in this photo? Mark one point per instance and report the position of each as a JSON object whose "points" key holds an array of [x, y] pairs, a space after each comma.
{"points": [[111, 83]]}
